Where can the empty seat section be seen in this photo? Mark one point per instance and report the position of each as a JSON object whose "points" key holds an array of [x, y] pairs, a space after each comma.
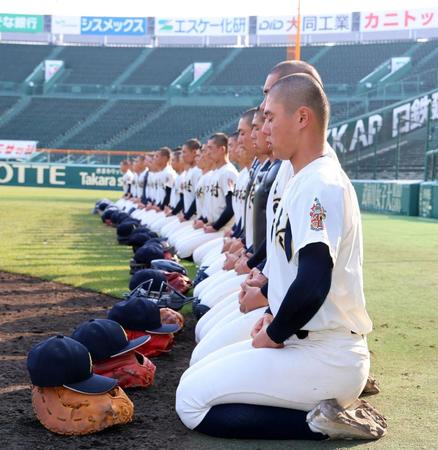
{"points": [[164, 65], [46, 118], [17, 61], [179, 124], [122, 114], [96, 65]]}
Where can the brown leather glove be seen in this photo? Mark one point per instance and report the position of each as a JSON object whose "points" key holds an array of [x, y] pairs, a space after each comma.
{"points": [[169, 316], [178, 281], [132, 370], [67, 412]]}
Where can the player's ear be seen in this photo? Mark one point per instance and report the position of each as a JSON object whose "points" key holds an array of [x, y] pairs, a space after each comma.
{"points": [[303, 116]]}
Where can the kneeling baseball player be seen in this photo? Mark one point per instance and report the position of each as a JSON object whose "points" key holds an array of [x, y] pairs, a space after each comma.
{"points": [[301, 374]]}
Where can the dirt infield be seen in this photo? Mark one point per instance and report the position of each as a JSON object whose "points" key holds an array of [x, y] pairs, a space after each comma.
{"points": [[31, 310]]}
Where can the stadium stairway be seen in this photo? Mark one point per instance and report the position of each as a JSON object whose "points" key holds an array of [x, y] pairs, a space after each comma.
{"points": [[134, 128], [431, 57], [15, 110], [317, 56], [54, 54], [59, 141], [222, 66], [141, 59]]}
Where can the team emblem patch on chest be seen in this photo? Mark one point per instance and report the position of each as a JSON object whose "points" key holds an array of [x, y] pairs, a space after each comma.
{"points": [[317, 216]]}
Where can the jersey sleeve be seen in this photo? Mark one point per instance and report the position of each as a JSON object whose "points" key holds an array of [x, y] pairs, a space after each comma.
{"points": [[227, 181], [169, 179], [196, 175], [320, 218]]}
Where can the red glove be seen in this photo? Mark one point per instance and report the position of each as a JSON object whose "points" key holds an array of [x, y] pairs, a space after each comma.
{"points": [[131, 369], [158, 344]]}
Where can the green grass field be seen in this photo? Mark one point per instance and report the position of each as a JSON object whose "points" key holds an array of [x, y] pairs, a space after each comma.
{"points": [[50, 233]]}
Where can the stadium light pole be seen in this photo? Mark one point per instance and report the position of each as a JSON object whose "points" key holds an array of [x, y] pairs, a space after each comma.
{"points": [[298, 37], [427, 142], [375, 157], [295, 52], [397, 152]]}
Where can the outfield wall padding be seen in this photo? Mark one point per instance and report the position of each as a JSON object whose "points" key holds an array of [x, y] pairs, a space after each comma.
{"points": [[428, 206], [60, 175], [388, 197], [408, 198]]}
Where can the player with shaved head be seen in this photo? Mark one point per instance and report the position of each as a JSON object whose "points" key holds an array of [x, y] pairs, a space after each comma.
{"points": [[307, 359]]}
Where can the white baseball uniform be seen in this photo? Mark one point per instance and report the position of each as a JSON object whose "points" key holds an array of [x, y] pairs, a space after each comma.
{"points": [[221, 182], [214, 248], [177, 189], [319, 205], [137, 214], [190, 182], [185, 229], [241, 328], [127, 180], [162, 180]]}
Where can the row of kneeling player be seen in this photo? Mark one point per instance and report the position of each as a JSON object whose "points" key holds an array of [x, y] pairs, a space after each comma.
{"points": [[282, 333]]}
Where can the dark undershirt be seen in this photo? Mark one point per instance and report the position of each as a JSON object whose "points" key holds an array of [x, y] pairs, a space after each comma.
{"points": [[306, 294], [166, 199], [179, 206], [258, 256], [192, 210], [227, 213]]}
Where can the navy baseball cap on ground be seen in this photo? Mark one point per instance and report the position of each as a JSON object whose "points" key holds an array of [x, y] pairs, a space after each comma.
{"points": [[108, 213], [62, 361], [142, 276], [138, 239], [168, 265], [119, 217], [140, 314], [126, 228], [148, 252], [142, 229], [105, 339]]}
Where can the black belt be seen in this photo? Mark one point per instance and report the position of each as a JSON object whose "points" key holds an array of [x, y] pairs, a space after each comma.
{"points": [[302, 334]]}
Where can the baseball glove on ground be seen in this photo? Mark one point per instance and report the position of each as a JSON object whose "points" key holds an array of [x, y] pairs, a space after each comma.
{"points": [[131, 369], [360, 420], [67, 412], [169, 316], [158, 343]]}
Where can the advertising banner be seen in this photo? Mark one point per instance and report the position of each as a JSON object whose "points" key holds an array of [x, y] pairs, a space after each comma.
{"points": [[10, 149], [60, 175], [386, 124], [212, 26], [120, 26], [388, 197], [199, 68], [324, 23], [399, 20], [21, 23], [51, 66], [428, 206], [66, 25]]}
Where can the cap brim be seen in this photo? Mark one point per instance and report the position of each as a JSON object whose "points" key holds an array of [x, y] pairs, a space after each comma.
{"points": [[133, 344], [165, 329], [96, 384]]}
